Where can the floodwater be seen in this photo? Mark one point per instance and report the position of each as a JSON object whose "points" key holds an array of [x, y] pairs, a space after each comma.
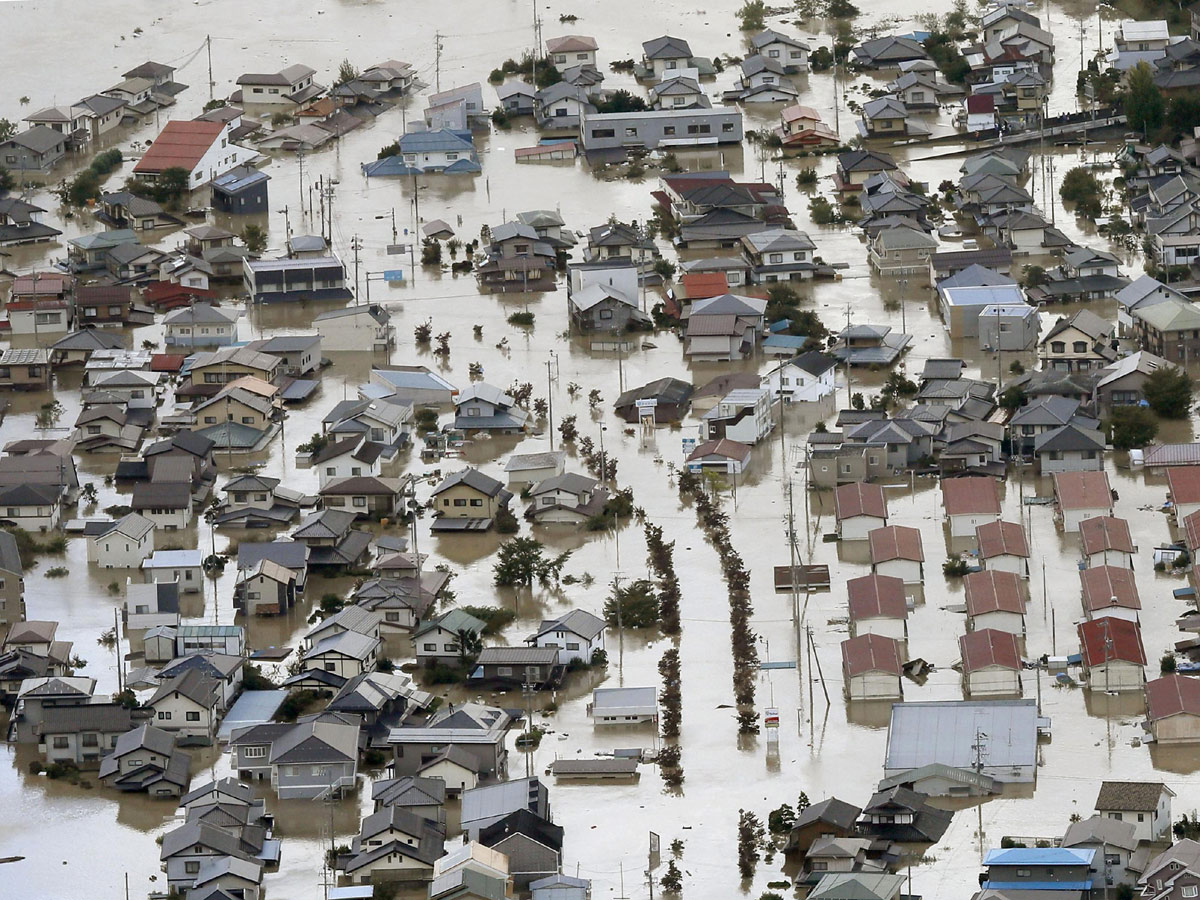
{"points": [[75, 840]]}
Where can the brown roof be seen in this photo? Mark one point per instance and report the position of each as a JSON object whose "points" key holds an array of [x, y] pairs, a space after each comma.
{"points": [[1111, 639], [1082, 490], [1105, 587], [1191, 532], [870, 653], [1130, 796], [860, 499], [989, 647], [970, 496], [702, 285], [1172, 695], [993, 591], [1183, 483], [723, 447], [1105, 533], [570, 42], [180, 144], [876, 596], [895, 542], [1001, 539]]}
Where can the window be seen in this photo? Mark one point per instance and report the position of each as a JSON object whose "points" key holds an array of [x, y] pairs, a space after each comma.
{"points": [[477, 502], [193, 716], [603, 132], [164, 716], [61, 743], [356, 470], [362, 501], [503, 670], [1190, 890], [630, 132], [606, 314], [1079, 347], [192, 867], [1141, 817], [668, 130], [330, 470], [93, 429], [329, 667], [774, 54], [775, 257], [572, 646], [460, 501], [1058, 347], [1023, 873], [429, 648]]}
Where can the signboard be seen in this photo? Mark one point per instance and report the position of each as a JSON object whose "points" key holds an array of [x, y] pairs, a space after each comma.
{"points": [[645, 404], [393, 275], [771, 717], [395, 249]]}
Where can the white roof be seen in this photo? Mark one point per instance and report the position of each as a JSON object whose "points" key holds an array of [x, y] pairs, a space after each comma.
{"points": [[1150, 30], [172, 559]]}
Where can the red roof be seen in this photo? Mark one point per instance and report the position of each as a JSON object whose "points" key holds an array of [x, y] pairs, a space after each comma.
{"points": [[993, 591], [1191, 532], [1183, 483], [860, 499], [170, 294], [1102, 533], [1172, 695], [1108, 587], [989, 647], [981, 103], [1111, 639], [43, 282], [1001, 539], [180, 144], [875, 597], [970, 496], [167, 362], [1082, 490], [871, 653], [895, 542], [702, 285]]}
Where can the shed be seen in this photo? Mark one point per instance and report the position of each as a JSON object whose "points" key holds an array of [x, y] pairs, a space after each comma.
{"points": [[1173, 709], [860, 507], [995, 601], [1003, 547], [1113, 655], [1107, 541], [991, 663], [1081, 495], [970, 502], [871, 668], [896, 550], [877, 605]]}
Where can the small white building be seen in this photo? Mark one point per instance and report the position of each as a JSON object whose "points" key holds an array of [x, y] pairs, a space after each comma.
{"points": [[995, 601], [1144, 804], [742, 415], [530, 468], [187, 704], [991, 663], [1081, 495], [123, 545], [147, 606], [896, 550], [859, 508], [1003, 547], [576, 636], [1113, 655], [969, 503], [347, 653], [1107, 541], [355, 328], [877, 605], [871, 668], [623, 706], [1110, 591], [181, 566], [803, 379]]}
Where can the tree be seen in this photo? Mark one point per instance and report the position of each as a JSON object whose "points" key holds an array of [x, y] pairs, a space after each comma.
{"points": [[750, 837], [255, 238], [470, 644], [346, 72], [1032, 276], [1168, 390], [636, 603], [1144, 105], [821, 60], [781, 819], [752, 15], [171, 186], [622, 101], [7, 182], [7, 129], [524, 559], [1013, 398], [1131, 426], [672, 881], [1083, 189]]}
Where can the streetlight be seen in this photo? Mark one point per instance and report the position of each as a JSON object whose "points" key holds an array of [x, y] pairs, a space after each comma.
{"points": [[550, 397]]}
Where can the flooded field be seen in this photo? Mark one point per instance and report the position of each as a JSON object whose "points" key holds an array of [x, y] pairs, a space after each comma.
{"points": [[75, 840]]}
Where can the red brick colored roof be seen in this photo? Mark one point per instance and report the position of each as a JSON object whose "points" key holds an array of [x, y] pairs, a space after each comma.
{"points": [[989, 647], [1183, 483], [859, 499], [180, 144], [1105, 533], [1106, 587], [970, 496], [993, 591], [1125, 638], [876, 596], [1172, 695], [1191, 532], [1082, 490], [871, 653], [702, 285], [895, 542], [1001, 539], [167, 362]]}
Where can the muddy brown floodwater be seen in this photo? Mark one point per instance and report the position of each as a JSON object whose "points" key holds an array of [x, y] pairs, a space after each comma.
{"points": [[76, 841]]}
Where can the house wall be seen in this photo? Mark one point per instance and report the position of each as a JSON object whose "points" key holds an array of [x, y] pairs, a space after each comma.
{"points": [[893, 628], [394, 867], [874, 686], [1072, 517], [908, 570], [409, 757], [272, 597], [1177, 729], [602, 131], [189, 578], [1119, 558], [457, 778], [1071, 461], [169, 519], [473, 505], [571, 646], [992, 681], [75, 751], [1116, 675], [354, 334], [116, 551], [17, 158], [436, 646], [171, 714], [528, 860], [341, 664], [856, 528], [1000, 620], [964, 525], [305, 782], [1114, 612]]}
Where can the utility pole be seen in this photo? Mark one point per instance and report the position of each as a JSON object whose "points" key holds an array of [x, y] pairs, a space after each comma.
{"points": [[355, 245], [550, 401], [300, 158], [208, 46], [437, 62]]}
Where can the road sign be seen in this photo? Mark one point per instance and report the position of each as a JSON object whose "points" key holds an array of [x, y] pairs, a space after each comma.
{"points": [[393, 275], [395, 249]]}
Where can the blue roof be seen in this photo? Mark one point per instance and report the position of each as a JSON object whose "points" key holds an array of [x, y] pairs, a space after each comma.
{"points": [[239, 179], [1039, 856], [436, 141], [790, 341]]}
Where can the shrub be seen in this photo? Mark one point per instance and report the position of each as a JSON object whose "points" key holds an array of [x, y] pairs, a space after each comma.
{"points": [[57, 572], [1167, 664], [494, 618], [1131, 426], [521, 320], [955, 567]]}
